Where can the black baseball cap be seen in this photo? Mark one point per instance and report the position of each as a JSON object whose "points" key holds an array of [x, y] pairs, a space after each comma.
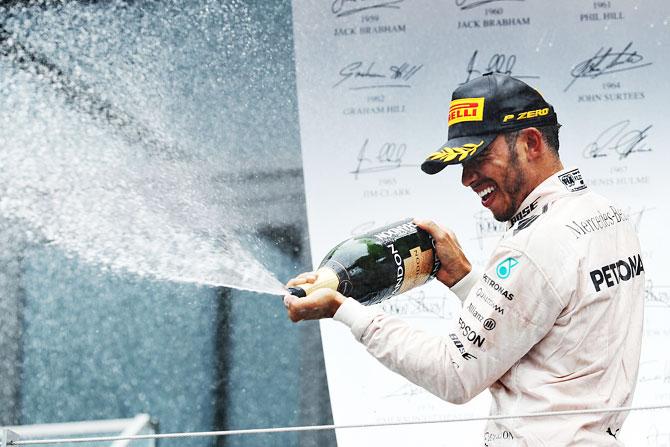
{"points": [[483, 108]]}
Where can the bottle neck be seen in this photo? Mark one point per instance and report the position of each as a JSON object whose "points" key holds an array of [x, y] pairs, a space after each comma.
{"points": [[326, 279]]}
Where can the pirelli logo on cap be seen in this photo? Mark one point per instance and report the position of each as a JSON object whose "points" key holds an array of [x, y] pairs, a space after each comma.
{"points": [[466, 109]]}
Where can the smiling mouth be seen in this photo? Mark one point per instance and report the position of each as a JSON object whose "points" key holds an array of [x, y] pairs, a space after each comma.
{"points": [[485, 193]]}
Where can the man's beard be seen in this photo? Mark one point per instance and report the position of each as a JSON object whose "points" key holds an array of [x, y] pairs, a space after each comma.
{"points": [[511, 185]]}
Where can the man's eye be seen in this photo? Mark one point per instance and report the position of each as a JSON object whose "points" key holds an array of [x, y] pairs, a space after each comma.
{"points": [[477, 161]]}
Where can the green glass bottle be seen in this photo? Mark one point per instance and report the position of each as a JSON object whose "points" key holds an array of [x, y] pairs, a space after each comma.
{"points": [[377, 265]]}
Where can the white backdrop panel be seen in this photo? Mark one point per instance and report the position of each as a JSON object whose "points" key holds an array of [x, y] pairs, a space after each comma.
{"points": [[374, 83]]}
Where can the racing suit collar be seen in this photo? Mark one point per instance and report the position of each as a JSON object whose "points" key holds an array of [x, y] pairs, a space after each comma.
{"points": [[565, 182]]}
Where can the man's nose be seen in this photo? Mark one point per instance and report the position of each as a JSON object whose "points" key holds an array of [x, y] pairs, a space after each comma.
{"points": [[468, 176]]}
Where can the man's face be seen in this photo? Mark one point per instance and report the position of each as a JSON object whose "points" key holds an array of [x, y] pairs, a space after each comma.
{"points": [[497, 176]]}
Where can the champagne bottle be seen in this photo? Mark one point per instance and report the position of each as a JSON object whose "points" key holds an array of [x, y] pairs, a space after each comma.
{"points": [[377, 265]]}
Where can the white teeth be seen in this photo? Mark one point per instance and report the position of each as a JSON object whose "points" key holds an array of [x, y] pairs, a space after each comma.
{"points": [[486, 191]]}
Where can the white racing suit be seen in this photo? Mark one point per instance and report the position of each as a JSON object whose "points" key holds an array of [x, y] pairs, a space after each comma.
{"points": [[553, 323]]}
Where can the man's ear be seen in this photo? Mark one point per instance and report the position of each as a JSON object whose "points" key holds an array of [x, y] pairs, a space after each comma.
{"points": [[533, 142]]}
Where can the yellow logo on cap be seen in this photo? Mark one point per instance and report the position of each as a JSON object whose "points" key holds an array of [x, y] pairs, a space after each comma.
{"points": [[466, 109], [526, 115], [446, 154]]}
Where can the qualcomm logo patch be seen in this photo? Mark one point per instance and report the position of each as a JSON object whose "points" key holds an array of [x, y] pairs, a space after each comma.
{"points": [[505, 268]]}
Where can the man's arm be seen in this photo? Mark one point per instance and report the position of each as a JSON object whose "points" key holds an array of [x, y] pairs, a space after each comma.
{"points": [[500, 321]]}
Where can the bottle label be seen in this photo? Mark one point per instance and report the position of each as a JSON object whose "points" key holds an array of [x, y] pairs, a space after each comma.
{"points": [[394, 233], [418, 267], [413, 270]]}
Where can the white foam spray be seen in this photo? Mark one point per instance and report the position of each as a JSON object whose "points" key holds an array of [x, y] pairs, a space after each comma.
{"points": [[72, 183]]}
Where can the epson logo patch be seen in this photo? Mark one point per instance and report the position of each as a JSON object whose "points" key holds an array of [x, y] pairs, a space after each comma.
{"points": [[470, 334], [619, 271]]}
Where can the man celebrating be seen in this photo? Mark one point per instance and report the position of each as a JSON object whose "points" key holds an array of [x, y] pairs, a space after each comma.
{"points": [[554, 322]]}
